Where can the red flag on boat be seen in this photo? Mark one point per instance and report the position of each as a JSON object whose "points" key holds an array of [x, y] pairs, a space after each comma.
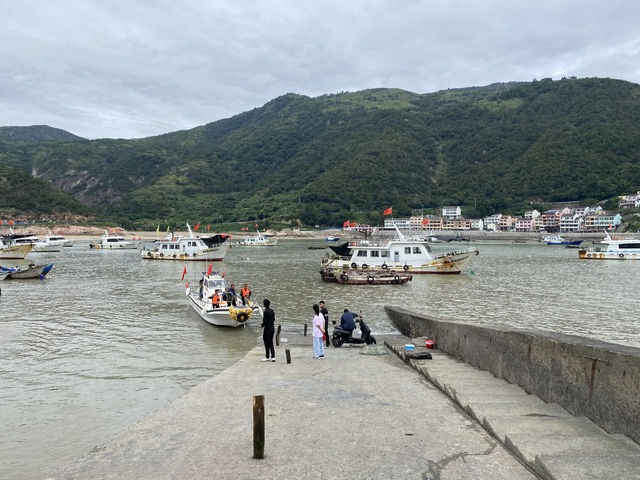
{"points": [[208, 226], [197, 226], [210, 269], [388, 211], [425, 221], [346, 224], [184, 272]]}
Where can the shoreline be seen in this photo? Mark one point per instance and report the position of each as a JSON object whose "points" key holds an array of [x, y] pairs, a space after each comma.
{"points": [[76, 232]]}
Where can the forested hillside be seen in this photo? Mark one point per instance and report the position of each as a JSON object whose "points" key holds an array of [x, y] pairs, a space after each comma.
{"points": [[350, 155]]}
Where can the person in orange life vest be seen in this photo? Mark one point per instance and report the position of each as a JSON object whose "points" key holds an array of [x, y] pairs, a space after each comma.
{"points": [[215, 299], [245, 293]]}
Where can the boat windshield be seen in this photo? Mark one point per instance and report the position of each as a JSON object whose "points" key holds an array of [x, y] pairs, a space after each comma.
{"points": [[216, 284]]}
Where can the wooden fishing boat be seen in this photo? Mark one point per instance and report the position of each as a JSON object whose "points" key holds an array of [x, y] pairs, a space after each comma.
{"points": [[368, 277]]}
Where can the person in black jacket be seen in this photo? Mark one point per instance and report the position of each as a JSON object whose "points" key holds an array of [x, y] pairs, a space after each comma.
{"points": [[268, 326], [325, 314]]}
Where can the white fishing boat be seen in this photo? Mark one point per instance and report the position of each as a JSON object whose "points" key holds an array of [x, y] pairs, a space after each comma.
{"points": [[617, 249], [39, 245], [229, 311], [113, 242], [409, 255], [177, 247], [58, 239], [10, 250], [259, 240]]}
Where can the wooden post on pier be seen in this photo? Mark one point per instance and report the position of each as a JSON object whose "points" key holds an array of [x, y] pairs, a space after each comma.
{"points": [[278, 336], [287, 352], [258, 426], [305, 329]]}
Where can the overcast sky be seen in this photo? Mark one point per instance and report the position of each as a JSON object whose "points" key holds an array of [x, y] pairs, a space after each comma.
{"points": [[136, 68]]}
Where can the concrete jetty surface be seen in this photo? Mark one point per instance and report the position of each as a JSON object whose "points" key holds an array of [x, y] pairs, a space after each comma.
{"points": [[359, 413]]}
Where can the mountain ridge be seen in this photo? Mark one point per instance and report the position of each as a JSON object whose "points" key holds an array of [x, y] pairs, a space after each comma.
{"points": [[350, 154]]}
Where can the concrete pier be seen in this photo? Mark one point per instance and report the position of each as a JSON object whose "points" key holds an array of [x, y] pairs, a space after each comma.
{"points": [[544, 436], [358, 413]]}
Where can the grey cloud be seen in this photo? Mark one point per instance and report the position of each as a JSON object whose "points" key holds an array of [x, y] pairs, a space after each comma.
{"points": [[130, 69]]}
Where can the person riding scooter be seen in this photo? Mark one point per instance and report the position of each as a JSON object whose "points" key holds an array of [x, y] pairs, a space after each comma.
{"points": [[347, 321], [344, 333]]}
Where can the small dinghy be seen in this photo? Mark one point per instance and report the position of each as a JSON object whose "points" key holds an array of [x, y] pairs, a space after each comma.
{"points": [[30, 271]]}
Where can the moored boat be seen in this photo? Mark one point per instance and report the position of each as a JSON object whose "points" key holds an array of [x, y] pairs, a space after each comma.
{"points": [[558, 240], [113, 242], [9, 250], [259, 240], [229, 311], [177, 247], [30, 271], [407, 255], [617, 249], [369, 277]]}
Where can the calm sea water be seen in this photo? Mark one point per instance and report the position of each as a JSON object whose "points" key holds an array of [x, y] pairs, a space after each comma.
{"points": [[109, 338]]}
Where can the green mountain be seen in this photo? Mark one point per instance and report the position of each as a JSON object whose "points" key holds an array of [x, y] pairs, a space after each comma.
{"points": [[350, 155], [35, 134], [21, 195]]}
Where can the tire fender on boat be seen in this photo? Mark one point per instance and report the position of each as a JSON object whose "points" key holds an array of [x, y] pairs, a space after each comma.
{"points": [[384, 266], [396, 278], [405, 267], [161, 255], [621, 255], [365, 266], [354, 265], [242, 317], [370, 279]]}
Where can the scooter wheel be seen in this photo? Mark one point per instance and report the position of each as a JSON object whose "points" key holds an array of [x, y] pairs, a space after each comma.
{"points": [[372, 340], [337, 342]]}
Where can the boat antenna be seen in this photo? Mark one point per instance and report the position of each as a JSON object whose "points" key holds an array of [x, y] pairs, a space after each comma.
{"points": [[190, 232], [400, 236]]}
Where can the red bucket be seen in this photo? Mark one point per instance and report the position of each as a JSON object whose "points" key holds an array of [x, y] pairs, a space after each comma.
{"points": [[429, 343]]}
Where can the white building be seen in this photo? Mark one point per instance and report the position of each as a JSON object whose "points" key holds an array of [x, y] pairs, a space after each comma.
{"points": [[451, 212]]}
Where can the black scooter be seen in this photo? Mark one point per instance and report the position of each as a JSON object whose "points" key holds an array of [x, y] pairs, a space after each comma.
{"points": [[341, 336]]}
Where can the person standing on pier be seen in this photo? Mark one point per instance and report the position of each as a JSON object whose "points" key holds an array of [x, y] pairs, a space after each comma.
{"points": [[268, 329], [318, 331], [325, 314]]}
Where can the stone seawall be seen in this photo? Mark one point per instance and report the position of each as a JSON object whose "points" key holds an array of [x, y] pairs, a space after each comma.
{"points": [[587, 377]]}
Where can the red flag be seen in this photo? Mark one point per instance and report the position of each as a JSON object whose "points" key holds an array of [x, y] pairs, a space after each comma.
{"points": [[346, 224], [425, 221], [197, 226], [208, 226], [184, 272], [388, 211], [210, 269], [256, 225], [224, 272], [352, 224]]}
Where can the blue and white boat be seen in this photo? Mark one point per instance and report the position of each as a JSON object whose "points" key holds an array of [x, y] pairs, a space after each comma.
{"points": [[558, 240], [331, 238]]}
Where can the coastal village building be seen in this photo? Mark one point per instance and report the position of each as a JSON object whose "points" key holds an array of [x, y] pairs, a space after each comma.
{"points": [[492, 222], [571, 222], [525, 225], [551, 220], [531, 214], [507, 223], [601, 220], [451, 212], [630, 201]]}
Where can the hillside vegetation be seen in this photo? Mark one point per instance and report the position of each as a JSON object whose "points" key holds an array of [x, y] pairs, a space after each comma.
{"points": [[350, 155]]}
